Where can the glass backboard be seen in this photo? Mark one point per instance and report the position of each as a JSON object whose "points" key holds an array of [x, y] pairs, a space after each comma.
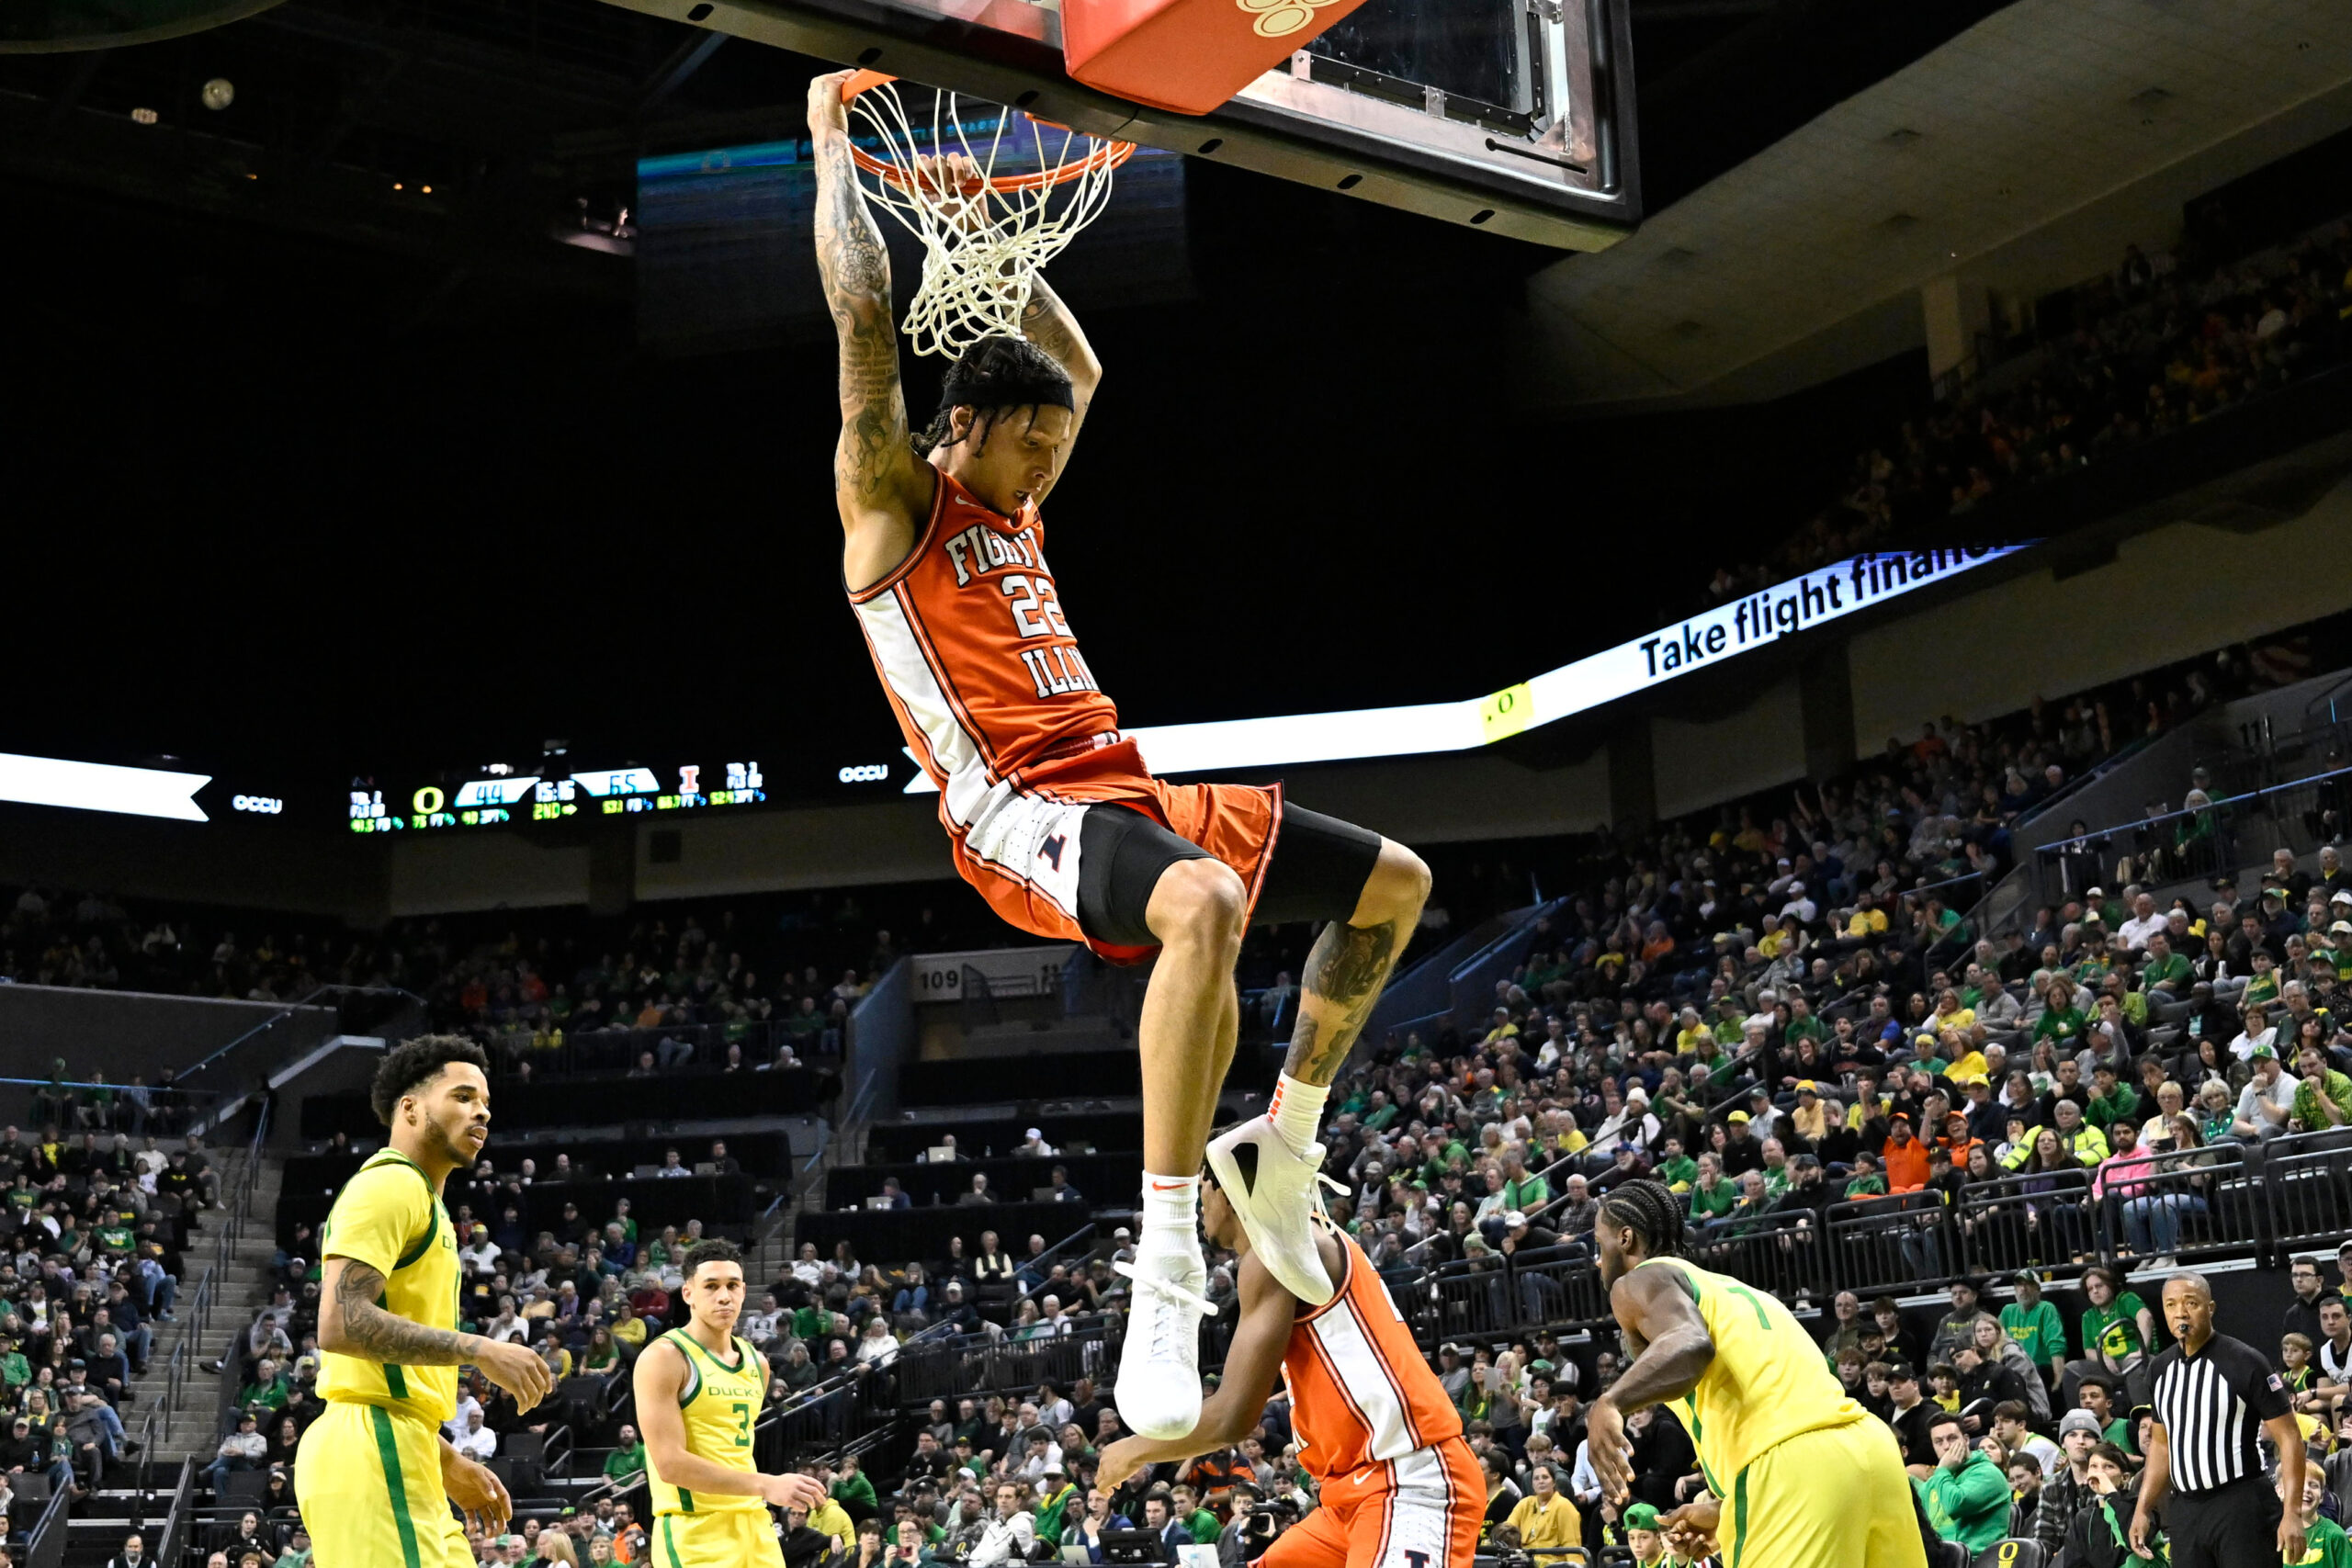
{"points": [[1514, 116]]}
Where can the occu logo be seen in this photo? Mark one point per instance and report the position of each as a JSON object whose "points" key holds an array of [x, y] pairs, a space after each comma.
{"points": [[872, 773], [260, 803]]}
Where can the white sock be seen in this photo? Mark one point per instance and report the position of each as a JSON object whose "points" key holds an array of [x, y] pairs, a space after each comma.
{"points": [[1171, 1211], [1297, 1112]]}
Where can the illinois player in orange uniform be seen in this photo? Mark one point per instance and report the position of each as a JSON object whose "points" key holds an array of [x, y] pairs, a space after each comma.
{"points": [[1397, 1486], [1053, 813]]}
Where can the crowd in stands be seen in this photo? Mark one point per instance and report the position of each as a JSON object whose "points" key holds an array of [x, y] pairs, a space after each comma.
{"points": [[2162, 342], [91, 1234], [1773, 1012]]}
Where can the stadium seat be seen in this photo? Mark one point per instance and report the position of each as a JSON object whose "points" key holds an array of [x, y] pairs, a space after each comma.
{"points": [[2015, 1552]]}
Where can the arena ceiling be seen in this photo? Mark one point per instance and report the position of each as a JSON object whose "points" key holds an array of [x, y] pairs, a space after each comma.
{"points": [[2021, 156]]}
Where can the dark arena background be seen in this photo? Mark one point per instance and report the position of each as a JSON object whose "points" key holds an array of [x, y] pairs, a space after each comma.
{"points": [[1824, 526]]}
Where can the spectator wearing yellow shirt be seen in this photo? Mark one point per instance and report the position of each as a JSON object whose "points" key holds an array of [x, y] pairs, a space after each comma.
{"points": [[1545, 1519], [1968, 1065], [1868, 919], [1811, 1121], [1951, 1016], [1693, 1034]]}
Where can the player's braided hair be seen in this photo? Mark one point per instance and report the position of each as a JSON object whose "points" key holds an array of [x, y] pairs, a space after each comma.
{"points": [[995, 375], [1651, 1210]]}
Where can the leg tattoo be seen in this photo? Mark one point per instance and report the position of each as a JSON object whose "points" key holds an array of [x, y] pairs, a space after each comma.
{"points": [[1345, 972]]}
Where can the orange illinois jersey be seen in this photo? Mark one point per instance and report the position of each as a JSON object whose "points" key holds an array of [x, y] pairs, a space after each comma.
{"points": [[1361, 1392], [969, 636]]}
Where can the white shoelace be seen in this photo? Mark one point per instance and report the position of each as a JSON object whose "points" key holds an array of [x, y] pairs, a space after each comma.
{"points": [[1172, 1312]]}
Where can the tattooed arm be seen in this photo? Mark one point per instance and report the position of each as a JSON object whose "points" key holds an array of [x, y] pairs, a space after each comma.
{"points": [[352, 1322], [1045, 320], [882, 487]]}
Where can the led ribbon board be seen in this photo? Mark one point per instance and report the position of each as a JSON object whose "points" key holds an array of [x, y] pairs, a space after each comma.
{"points": [[1705, 641], [101, 786]]}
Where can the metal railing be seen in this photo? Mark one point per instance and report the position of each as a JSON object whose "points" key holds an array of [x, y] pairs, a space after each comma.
{"points": [[2307, 1182], [357, 1008], [179, 1518], [971, 1364], [196, 1309], [45, 1542], [66, 1104], [561, 1053], [2213, 1202], [2202, 843]]}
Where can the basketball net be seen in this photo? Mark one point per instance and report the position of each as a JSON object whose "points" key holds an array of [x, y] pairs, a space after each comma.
{"points": [[984, 240]]}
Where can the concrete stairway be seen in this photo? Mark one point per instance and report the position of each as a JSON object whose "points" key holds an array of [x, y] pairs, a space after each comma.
{"points": [[241, 1289]]}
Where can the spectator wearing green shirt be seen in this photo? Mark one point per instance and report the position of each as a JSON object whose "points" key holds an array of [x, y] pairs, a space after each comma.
{"points": [[2062, 1021], [2112, 1100], [1676, 1170], [2262, 989], [268, 1387], [2117, 1330], [15, 1371], [1521, 1191], [2166, 970], [2035, 1325], [2324, 1545], [2323, 1097], [853, 1492], [1382, 1111], [1868, 1181], [1967, 1496], [1712, 1196], [1185, 1504], [626, 1459]]}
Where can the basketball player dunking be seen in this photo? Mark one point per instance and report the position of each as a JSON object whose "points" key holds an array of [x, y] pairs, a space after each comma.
{"points": [[1052, 814], [1396, 1485]]}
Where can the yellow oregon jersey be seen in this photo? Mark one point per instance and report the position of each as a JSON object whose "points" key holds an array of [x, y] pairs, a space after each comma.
{"points": [[390, 1217], [719, 1405], [1766, 1384]]}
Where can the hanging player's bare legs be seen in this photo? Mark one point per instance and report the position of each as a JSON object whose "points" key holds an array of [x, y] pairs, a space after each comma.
{"points": [[1052, 811], [1191, 1014], [1269, 1165]]}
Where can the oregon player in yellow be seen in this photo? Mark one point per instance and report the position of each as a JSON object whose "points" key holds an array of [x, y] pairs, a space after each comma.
{"points": [[698, 1395], [374, 1476], [1801, 1475]]}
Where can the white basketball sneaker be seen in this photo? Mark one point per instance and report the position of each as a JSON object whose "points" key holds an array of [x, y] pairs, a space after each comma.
{"points": [[1158, 1387], [1273, 1192]]}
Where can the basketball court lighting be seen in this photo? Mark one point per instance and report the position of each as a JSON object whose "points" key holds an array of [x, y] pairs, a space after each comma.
{"points": [[102, 786]]}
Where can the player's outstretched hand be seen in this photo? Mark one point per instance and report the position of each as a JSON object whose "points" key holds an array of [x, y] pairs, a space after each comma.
{"points": [[518, 1371], [795, 1491], [826, 110], [479, 1494], [1119, 1463], [1691, 1529], [1606, 1447]]}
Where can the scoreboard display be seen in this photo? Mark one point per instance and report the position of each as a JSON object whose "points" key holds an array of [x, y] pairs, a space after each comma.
{"points": [[501, 796]]}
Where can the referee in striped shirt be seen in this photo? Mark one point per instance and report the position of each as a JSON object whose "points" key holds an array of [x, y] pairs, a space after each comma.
{"points": [[2211, 1394]]}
